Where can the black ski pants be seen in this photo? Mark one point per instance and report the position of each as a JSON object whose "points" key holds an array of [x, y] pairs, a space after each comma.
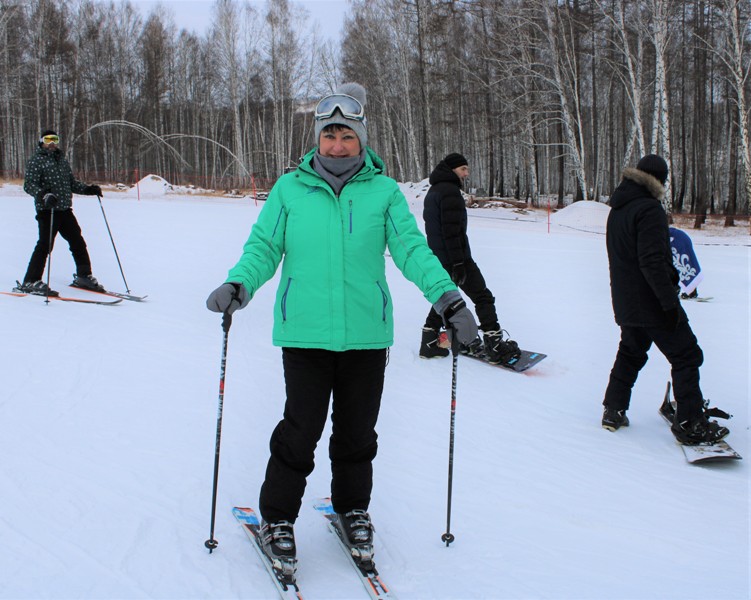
{"points": [[681, 349], [354, 379], [65, 223], [477, 291]]}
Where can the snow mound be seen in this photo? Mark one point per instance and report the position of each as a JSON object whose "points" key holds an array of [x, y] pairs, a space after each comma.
{"points": [[415, 195], [585, 215], [151, 186]]}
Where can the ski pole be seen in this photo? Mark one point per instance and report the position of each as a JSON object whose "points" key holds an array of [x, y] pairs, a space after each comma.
{"points": [[211, 543], [127, 289], [49, 256], [448, 537]]}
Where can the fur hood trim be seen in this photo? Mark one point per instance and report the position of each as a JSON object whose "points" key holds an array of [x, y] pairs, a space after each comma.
{"points": [[648, 181]]}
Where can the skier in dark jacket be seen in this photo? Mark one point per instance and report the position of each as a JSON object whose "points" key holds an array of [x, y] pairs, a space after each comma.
{"points": [[49, 179], [445, 215], [644, 290]]}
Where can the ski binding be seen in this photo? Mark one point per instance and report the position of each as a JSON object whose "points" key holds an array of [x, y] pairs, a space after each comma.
{"points": [[697, 453]]}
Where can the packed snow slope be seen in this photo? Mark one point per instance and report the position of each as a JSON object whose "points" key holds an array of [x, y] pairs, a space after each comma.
{"points": [[109, 420]]}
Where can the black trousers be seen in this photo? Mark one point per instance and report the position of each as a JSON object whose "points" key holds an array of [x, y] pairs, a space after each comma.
{"points": [[681, 349], [354, 379], [477, 291], [63, 222]]}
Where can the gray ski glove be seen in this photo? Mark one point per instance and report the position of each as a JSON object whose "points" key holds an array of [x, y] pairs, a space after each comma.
{"points": [[228, 298], [457, 316]]}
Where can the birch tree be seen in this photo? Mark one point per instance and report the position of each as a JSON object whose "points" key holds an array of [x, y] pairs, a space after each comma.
{"points": [[658, 30], [632, 54], [736, 18], [226, 33], [565, 80]]}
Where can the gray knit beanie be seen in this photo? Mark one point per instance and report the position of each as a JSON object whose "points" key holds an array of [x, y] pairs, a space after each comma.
{"points": [[359, 127]]}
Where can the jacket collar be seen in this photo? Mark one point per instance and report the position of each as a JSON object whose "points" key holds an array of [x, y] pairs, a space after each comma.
{"points": [[654, 187]]}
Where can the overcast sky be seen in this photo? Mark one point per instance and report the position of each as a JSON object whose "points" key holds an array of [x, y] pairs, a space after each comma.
{"points": [[195, 15]]}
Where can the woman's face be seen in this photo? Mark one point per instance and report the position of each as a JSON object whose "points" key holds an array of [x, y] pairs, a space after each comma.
{"points": [[341, 142]]}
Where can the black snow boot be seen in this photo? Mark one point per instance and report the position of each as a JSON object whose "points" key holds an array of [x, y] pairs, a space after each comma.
{"points": [[87, 282], [434, 344], [498, 350], [698, 430], [613, 419], [37, 288]]}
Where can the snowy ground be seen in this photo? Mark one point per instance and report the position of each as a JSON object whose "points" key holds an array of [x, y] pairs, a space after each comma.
{"points": [[109, 422]]}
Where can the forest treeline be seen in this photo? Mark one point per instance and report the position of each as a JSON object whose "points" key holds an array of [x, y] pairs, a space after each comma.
{"points": [[546, 98]]}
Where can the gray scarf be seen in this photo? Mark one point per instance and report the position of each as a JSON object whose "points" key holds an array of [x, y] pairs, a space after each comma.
{"points": [[337, 171]]}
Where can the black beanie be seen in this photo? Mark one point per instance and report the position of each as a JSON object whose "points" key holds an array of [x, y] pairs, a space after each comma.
{"points": [[654, 165], [46, 132], [455, 160]]}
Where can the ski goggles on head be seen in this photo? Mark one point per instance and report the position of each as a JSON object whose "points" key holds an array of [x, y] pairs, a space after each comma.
{"points": [[51, 139], [347, 105]]}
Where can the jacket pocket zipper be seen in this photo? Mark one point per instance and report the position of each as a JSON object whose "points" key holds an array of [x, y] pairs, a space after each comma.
{"points": [[284, 300], [385, 299]]}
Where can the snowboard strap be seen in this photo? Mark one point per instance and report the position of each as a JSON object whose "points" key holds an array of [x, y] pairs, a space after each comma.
{"points": [[716, 412]]}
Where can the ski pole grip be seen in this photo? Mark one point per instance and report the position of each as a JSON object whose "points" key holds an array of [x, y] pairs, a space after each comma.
{"points": [[226, 321], [455, 344]]}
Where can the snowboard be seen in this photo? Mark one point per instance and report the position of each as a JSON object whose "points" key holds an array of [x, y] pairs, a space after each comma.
{"points": [[699, 453], [699, 298], [526, 360]]}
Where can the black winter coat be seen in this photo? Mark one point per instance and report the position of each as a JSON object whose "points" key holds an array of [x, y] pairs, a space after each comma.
{"points": [[445, 215], [49, 171], [643, 280]]}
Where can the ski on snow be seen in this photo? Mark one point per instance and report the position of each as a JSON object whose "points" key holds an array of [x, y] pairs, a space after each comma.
{"points": [[67, 299], [286, 588], [120, 295], [698, 453], [248, 518], [371, 580]]}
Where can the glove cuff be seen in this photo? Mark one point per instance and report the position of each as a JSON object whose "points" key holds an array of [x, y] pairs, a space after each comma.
{"points": [[453, 308], [447, 299]]}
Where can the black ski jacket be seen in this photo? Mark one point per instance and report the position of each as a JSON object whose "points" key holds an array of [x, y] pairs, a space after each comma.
{"points": [[445, 215], [49, 171], [643, 280]]}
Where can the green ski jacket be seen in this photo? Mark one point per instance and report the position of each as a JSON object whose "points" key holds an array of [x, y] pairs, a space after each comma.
{"points": [[332, 292]]}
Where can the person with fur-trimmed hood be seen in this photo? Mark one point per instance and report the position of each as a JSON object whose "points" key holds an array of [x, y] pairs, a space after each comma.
{"points": [[328, 223], [644, 291]]}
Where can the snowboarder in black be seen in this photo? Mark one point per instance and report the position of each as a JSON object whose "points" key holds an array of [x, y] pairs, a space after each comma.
{"points": [[49, 179], [644, 290], [445, 215]]}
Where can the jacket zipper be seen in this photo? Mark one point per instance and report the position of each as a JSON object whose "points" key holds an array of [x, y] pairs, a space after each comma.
{"points": [[385, 299], [284, 300]]}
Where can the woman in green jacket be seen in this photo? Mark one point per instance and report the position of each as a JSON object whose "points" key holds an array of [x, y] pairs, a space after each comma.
{"points": [[329, 223]]}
